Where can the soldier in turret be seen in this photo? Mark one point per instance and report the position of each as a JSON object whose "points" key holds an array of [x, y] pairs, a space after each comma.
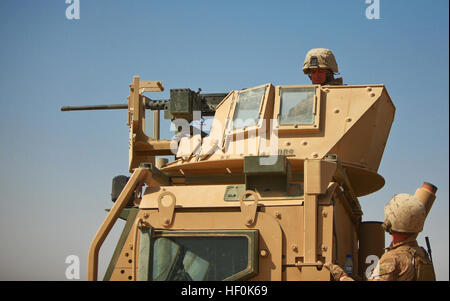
{"points": [[320, 65], [404, 260]]}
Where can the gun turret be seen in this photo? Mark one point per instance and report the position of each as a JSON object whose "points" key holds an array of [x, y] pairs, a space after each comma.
{"points": [[181, 105]]}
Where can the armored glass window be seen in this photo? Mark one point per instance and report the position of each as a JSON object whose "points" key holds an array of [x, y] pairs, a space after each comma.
{"points": [[247, 111], [195, 257], [297, 106]]}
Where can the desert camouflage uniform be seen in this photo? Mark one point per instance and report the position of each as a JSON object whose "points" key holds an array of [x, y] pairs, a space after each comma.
{"points": [[398, 263]]}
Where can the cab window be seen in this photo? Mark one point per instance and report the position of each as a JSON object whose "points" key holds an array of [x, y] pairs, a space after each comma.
{"points": [[297, 106], [203, 257], [247, 111]]}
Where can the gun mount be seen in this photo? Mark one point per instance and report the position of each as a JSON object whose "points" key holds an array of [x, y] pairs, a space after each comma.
{"points": [[181, 105]]}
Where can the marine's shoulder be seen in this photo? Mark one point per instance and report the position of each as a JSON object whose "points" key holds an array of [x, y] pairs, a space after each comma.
{"points": [[336, 82]]}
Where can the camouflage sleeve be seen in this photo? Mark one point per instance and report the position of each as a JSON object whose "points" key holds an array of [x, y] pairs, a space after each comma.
{"points": [[337, 272], [385, 269]]}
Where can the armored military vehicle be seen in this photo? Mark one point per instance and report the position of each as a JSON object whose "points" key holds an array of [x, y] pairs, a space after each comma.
{"points": [[270, 193]]}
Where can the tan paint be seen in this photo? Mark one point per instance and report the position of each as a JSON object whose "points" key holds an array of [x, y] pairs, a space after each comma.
{"points": [[270, 234], [426, 195], [140, 175], [354, 124], [211, 196], [141, 147], [297, 234]]}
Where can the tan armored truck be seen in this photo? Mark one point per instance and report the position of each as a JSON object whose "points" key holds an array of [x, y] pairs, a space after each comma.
{"points": [[271, 193]]}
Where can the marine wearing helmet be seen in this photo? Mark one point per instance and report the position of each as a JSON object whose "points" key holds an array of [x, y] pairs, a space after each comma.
{"points": [[404, 214], [404, 261], [320, 65]]}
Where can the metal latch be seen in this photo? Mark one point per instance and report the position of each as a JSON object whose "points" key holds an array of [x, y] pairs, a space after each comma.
{"points": [[166, 212], [249, 211]]}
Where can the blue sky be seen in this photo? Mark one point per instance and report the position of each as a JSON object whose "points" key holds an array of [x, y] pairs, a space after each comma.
{"points": [[57, 167]]}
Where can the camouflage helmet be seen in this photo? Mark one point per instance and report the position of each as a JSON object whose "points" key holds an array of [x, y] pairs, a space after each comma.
{"points": [[405, 214], [320, 58]]}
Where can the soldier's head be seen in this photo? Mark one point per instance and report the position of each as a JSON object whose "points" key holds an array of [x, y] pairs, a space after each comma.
{"points": [[404, 214], [320, 65]]}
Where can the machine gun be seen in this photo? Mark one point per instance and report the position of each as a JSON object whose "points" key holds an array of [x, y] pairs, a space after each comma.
{"points": [[181, 105]]}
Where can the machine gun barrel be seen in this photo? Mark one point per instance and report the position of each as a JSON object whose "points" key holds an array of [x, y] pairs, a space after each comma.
{"points": [[206, 103], [156, 104], [95, 107], [149, 104]]}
